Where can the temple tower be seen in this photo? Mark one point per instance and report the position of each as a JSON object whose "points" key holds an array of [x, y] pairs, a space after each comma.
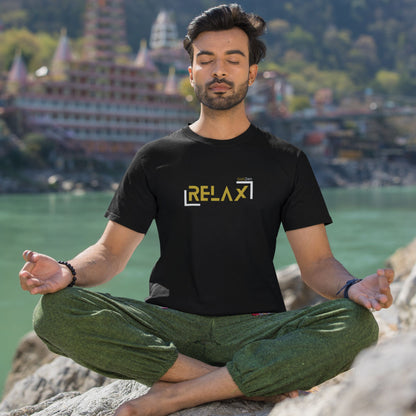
{"points": [[164, 33], [143, 58], [17, 77], [171, 86], [105, 30], [61, 58]]}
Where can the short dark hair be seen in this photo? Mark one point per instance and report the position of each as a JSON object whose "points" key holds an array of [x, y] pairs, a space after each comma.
{"points": [[227, 17]]}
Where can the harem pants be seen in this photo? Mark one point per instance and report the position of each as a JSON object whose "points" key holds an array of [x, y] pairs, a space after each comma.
{"points": [[266, 354]]}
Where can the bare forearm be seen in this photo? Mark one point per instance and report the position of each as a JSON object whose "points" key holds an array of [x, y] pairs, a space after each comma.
{"points": [[95, 266], [327, 277]]}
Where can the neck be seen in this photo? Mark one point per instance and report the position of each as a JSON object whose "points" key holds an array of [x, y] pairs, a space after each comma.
{"points": [[221, 124]]}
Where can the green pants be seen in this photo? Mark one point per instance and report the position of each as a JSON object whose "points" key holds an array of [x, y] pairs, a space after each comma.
{"points": [[266, 354]]}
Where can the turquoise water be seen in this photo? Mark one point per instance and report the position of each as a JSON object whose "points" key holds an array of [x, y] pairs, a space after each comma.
{"points": [[369, 225]]}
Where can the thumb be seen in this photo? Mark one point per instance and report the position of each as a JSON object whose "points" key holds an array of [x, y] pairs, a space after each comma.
{"points": [[384, 280], [30, 256]]}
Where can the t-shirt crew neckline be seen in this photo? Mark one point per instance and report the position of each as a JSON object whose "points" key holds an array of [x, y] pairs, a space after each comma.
{"points": [[216, 142]]}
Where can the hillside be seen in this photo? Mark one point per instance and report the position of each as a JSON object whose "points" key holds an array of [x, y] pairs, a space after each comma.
{"points": [[371, 42]]}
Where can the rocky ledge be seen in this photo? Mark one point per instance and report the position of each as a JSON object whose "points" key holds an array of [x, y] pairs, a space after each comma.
{"points": [[381, 383]]}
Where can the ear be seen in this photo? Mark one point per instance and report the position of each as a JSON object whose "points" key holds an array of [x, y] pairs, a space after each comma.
{"points": [[191, 75], [252, 74]]}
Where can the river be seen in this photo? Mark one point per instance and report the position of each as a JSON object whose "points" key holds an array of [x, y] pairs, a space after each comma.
{"points": [[369, 225]]}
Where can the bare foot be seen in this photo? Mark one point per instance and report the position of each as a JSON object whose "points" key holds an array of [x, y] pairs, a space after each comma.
{"points": [[161, 401], [154, 403]]}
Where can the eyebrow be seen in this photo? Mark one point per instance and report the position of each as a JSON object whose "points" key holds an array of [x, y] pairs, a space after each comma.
{"points": [[230, 52]]}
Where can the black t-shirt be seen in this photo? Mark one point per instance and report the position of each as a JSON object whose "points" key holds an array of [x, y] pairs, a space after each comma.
{"points": [[218, 206]]}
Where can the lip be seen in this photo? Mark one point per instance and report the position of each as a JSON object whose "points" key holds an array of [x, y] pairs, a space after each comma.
{"points": [[219, 87]]}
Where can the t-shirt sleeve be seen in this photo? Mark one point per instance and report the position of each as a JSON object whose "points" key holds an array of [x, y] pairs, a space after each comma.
{"points": [[305, 205], [133, 204]]}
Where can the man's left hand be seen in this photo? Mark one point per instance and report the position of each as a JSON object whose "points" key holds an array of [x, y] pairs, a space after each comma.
{"points": [[373, 292]]}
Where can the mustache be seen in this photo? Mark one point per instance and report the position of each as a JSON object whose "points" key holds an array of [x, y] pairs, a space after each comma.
{"points": [[220, 81]]}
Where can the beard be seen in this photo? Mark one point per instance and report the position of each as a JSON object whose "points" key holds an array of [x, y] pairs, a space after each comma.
{"points": [[221, 101]]}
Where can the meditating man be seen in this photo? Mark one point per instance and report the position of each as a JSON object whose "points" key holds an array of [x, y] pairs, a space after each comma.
{"points": [[214, 325]]}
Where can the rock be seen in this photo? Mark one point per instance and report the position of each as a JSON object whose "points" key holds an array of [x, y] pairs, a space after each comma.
{"points": [[401, 316], [59, 376], [403, 260], [31, 354], [105, 400], [406, 301], [383, 383]]}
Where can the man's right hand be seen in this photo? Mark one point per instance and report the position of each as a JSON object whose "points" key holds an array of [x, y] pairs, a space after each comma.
{"points": [[42, 274]]}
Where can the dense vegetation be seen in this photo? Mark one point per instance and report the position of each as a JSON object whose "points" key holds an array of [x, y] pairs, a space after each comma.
{"points": [[347, 45]]}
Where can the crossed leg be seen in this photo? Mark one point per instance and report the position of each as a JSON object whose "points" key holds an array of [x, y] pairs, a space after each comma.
{"points": [[288, 340], [188, 383]]}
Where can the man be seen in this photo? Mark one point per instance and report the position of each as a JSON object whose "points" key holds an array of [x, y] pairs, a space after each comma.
{"points": [[214, 326]]}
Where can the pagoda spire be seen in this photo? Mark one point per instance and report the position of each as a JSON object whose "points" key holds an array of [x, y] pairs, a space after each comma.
{"points": [[105, 30], [17, 75], [164, 34], [62, 56], [143, 58], [171, 86]]}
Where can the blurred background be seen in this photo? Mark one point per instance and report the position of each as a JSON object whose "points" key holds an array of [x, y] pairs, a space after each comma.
{"points": [[85, 83]]}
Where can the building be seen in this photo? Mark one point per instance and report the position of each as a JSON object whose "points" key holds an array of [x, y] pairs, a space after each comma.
{"points": [[166, 48], [269, 95], [102, 102]]}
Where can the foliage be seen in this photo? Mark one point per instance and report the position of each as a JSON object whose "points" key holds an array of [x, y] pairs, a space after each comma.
{"points": [[186, 90], [299, 103], [365, 43], [386, 82], [38, 149], [36, 49], [11, 156]]}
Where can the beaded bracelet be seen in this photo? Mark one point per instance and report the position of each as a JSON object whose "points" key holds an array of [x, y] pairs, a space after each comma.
{"points": [[71, 268], [347, 286]]}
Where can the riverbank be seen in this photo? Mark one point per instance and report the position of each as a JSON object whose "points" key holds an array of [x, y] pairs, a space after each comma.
{"points": [[48, 180], [331, 173], [368, 173]]}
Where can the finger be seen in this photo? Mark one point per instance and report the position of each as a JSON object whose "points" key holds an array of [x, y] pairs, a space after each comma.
{"points": [[364, 301], [30, 256], [388, 274], [39, 290], [383, 281], [37, 287], [27, 255], [385, 300], [28, 281], [376, 305], [24, 276]]}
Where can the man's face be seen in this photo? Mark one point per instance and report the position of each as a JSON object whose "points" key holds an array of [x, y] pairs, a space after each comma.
{"points": [[220, 72]]}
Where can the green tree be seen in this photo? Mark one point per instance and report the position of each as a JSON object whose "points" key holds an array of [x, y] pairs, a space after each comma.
{"points": [[39, 149], [386, 82], [187, 91], [336, 44], [14, 18], [299, 103], [301, 41], [37, 50], [363, 60]]}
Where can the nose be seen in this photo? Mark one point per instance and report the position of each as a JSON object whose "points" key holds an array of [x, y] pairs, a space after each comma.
{"points": [[218, 70]]}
